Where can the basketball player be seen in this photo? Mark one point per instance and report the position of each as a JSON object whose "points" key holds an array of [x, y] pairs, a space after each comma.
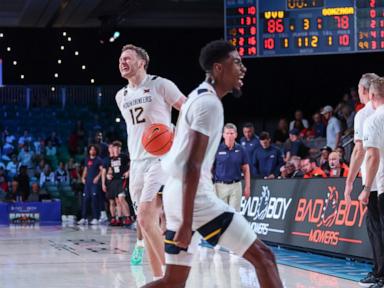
{"points": [[358, 160], [190, 203], [147, 99]]}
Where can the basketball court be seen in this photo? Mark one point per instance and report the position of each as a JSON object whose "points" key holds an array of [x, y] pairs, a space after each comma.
{"points": [[98, 256]]}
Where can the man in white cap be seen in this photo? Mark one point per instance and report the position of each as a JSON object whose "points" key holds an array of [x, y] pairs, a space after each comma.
{"points": [[333, 127]]}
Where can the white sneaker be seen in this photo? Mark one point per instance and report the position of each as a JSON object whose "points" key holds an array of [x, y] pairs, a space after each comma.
{"points": [[71, 218], [103, 220], [83, 222], [64, 218], [94, 222]]}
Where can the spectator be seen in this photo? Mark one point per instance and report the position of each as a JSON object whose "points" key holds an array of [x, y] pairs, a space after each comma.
{"points": [[40, 167], [35, 195], [61, 174], [230, 162], [26, 157], [53, 139], [281, 133], [3, 180], [2, 165], [102, 146], [294, 146], [341, 151], [8, 137], [296, 161], [268, 159], [39, 147], [47, 176], [12, 167], [20, 186], [26, 139], [298, 119], [7, 150], [333, 127], [50, 150], [337, 169], [318, 126], [310, 170], [250, 142], [347, 116], [323, 162]]}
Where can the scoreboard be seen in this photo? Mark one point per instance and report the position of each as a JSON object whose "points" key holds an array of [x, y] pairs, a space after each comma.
{"points": [[267, 28]]}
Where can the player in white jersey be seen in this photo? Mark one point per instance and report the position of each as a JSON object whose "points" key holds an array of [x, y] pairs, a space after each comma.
{"points": [[373, 141], [358, 161], [147, 99], [190, 203]]}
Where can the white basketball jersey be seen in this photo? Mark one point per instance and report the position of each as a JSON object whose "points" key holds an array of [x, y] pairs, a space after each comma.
{"points": [[150, 102], [202, 112]]}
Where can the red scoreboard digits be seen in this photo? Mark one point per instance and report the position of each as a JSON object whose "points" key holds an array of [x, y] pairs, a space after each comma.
{"points": [[266, 28]]}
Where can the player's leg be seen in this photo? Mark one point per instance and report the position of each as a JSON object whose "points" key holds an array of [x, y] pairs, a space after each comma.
{"points": [[239, 238], [222, 192], [86, 197], [112, 211], [148, 220], [95, 199], [175, 277]]}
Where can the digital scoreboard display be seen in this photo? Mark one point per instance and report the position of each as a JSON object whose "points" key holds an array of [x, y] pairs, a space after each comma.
{"points": [[267, 28]]}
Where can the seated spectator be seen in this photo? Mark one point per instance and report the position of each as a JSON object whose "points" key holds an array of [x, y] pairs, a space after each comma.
{"points": [[61, 174], [347, 116], [323, 162], [53, 139], [26, 157], [341, 151], [268, 159], [39, 147], [250, 142], [281, 133], [2, 165], [318, 126], [20, 185], [12, 167], [26, 139], [289, 171], [298, 119], [8, 137], [35, 193], [75, 177], [337, 168], [47, 176], [40, 167], [294, 146], [3, 180], [310, 169], [7, 150], [50, 150]]}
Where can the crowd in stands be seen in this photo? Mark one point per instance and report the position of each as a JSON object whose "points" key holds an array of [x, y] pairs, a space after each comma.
{"points": [[30, 165]]}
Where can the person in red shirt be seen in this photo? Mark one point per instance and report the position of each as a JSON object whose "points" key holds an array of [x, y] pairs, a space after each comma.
{"points": [[310, 169], [337, 168]]}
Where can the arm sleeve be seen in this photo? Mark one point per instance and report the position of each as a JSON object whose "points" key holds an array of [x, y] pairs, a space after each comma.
{"points": [[371, 136], [169, 91], [203, 114], [358, 127], [337, 126], [244, 157], [118, 99]]}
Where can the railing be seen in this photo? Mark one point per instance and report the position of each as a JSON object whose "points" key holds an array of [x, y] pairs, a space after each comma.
{"points": [[57, 96]]}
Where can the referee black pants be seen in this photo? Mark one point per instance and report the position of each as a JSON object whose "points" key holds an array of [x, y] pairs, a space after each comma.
{"points": [[375, 228]]}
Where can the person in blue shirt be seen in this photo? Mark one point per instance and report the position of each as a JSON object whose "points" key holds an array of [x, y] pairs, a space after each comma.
{"points": [[250, 142], [91, 179], [268, 159], [230, 163]]}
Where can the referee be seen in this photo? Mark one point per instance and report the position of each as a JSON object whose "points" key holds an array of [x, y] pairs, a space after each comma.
{"points": [[373, 142], [230, 163]]}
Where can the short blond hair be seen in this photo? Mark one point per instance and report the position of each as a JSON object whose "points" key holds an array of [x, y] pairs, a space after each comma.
{"points": [[139, 51], [377, 86], [230, 126]]}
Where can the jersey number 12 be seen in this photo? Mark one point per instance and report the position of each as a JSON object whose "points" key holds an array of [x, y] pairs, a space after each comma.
{"points": [[136, 115]]}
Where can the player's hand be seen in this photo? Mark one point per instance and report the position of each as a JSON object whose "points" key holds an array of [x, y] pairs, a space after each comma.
{"points": [[247, 192], [95, 180], [83, 180], [183, 236], [347, 193], [126, 175], [104, 187]]}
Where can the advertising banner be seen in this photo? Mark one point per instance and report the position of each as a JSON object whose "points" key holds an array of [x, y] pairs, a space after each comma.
{"points": [[309, 213]]}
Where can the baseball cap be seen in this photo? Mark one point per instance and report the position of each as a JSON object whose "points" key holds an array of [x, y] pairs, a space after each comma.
{"points": [[327, 109], [329, 149], [295, 131]]}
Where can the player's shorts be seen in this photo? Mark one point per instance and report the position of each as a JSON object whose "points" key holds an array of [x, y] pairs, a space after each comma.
{"points": [[213, 220], [115, 188], [145, 180]]}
